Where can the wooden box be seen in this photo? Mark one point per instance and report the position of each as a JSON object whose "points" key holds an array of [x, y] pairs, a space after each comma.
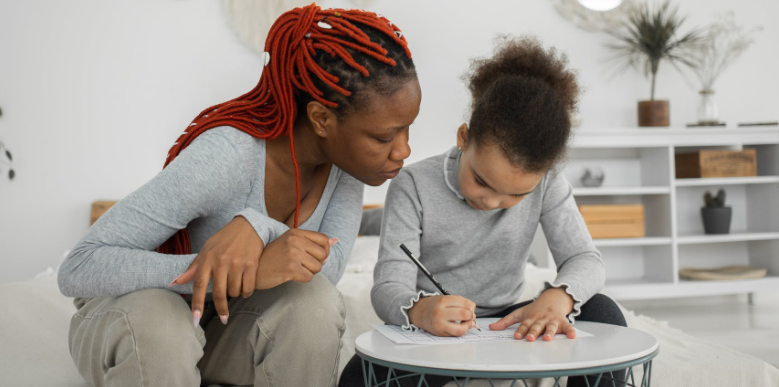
{"points": [[716, 163], [614, 220], [98, 208]]}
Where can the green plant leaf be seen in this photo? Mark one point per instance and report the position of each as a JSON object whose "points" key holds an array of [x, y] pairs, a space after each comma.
{"points": [[651, 35]]}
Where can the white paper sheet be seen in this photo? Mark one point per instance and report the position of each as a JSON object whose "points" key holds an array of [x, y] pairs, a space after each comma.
{"points": [[397, 335]]}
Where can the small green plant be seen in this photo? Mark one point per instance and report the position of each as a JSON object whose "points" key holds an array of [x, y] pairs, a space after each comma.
{"points": [[714, 201]]}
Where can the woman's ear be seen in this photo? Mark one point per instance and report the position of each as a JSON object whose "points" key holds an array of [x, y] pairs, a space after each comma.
{"points": [[462, 136], [321, 117]]}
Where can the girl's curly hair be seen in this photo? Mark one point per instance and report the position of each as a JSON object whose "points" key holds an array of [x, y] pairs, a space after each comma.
{"points": [[523, 99]]}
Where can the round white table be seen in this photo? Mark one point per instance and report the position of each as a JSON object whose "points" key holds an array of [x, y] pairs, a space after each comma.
{"points": [[611, 348]]}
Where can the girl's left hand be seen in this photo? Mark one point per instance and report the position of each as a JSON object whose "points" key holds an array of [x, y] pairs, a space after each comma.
{"points": [[546, 315]]}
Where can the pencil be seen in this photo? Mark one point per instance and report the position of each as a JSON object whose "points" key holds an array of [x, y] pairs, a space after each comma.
{"points": [[430, 276]]}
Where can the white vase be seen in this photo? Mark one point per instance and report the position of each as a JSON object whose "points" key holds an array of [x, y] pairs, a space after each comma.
{"points": [[708, 113]]}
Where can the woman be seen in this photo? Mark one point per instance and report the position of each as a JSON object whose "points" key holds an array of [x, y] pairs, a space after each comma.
{"points": [[331, 111]]}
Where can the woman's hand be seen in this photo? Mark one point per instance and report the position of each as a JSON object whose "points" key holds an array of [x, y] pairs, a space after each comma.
{"points": [[546, 315], [294, 256], [443, 315], [229, 258], [237, 262]]}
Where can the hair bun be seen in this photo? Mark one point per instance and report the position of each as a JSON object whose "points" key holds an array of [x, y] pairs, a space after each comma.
{"points": [[524, 57]]}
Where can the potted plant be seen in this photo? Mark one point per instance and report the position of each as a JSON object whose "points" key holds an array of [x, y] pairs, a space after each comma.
{"points": [[648, 37], [716, 216], [725, 42]]}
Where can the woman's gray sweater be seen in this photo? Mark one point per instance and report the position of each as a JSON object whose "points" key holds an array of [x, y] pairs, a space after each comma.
{"points": [[219, 176]]}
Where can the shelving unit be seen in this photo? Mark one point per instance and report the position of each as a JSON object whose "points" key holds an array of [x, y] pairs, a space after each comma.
{"points": [[639, 168]]}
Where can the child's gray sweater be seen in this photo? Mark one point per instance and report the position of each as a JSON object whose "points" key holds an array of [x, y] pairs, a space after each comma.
{"points": [[480, 255]]}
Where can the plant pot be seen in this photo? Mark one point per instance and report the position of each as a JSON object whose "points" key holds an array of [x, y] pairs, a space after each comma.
{"points": [[716, 220], [653, 113]]}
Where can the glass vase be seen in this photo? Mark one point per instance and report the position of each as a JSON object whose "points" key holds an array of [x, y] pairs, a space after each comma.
{"points": [[708, 113]]}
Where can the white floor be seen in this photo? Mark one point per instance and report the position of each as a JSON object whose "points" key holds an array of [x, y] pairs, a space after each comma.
{"points": [[726, 320]]}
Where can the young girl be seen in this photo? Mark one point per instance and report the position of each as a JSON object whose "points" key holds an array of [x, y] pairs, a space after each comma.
{"points": [[260, 200], [470, 214]]}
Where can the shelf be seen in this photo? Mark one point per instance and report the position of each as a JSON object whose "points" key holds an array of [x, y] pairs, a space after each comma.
{"points": [[733, 237], [617, 242], [615, 191], [643, 289], [687, 288], [710, 181], [639, 166], [636, 289], [674, 136]]}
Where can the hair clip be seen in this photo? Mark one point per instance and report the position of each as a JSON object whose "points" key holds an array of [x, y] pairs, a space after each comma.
{"points": [[324, 25], [399, 34], [308, 35], [337, 14]]}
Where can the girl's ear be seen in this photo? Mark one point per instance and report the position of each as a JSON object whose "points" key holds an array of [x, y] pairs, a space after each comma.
{"points": [[462, 136]]}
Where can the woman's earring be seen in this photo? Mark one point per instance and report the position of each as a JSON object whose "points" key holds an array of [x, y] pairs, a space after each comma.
{"points": [[459, 149]]}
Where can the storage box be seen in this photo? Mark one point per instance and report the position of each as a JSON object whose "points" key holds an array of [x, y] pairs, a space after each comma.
{"points": [[716, 163], [614, 220]]}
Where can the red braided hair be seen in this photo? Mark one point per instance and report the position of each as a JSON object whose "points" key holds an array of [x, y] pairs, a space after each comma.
{"points": [[269, 110]]}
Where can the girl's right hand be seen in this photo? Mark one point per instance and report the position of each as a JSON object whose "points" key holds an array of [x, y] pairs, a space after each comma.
{"points": [[443, 315], [294, 256]]}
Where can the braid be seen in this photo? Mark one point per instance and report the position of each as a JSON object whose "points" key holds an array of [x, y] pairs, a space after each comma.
{"points": [[269, 110]]}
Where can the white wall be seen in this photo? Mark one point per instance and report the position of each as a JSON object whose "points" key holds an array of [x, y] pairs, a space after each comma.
{"points": [[94, 93]]}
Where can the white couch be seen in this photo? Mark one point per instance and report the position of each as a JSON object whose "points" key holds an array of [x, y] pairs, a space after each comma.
{"points": [[35, 319]]}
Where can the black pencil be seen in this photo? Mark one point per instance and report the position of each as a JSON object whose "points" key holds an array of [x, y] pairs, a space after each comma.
{"points": [[428, 274]]}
